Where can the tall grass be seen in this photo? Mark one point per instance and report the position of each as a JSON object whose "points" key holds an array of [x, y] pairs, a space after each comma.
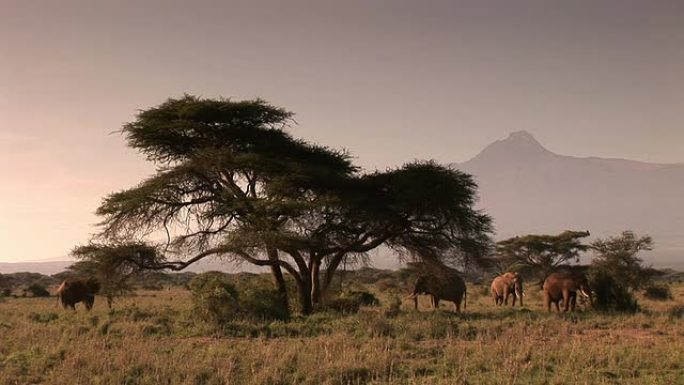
{"points": [[154, 338]]}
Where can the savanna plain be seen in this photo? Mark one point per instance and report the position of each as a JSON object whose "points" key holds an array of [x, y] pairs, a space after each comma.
{"points": [[155, 337]]}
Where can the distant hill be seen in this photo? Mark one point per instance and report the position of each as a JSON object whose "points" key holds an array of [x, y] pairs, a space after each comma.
{"points": [[529, 189], [45, 268], [54, 267]]}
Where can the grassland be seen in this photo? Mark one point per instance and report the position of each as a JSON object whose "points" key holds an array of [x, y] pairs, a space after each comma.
{"points": [[154, 338]]}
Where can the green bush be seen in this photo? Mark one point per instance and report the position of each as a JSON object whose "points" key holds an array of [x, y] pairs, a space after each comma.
{"points": [[610, 295], [214, 298], [658, 292], [676, 312], [217, 298], [37, 290], [259, 299], [364, 298], [352, 301]]}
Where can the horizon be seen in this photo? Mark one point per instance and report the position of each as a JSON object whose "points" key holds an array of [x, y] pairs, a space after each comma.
{"points": [[388, 81]]}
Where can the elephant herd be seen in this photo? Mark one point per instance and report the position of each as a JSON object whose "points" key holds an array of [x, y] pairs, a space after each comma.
{"points": [[558, 288], [443, 285]]}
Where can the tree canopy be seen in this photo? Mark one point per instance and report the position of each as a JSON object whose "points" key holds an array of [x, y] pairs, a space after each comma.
{"points": [[617, 257], [232, 183], [541, 253]]}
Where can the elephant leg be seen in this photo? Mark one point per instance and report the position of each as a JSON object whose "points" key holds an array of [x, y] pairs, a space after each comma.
{"points": [[566, 300], [547, 301], [458, 306], [435, 302], [514, 298], [415, 301], [506, 294], [573, 302]]}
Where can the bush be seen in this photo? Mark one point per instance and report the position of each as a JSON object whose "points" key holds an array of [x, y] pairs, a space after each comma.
{"points": [[218, 299], [351, 301], [658, 292], [610, 295], [364, 298], [676, 312], [259, 299], [214, 298], [37, 290]]}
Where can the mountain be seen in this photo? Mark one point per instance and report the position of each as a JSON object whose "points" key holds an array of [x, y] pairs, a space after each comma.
{"points": [[529, 189]]}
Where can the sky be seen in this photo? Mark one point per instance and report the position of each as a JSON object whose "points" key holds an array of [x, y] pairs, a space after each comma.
{"points": [[389, 81]]}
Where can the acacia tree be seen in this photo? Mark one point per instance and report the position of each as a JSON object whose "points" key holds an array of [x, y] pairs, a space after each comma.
{"points": [[232, 183], [617, 257], [542, 253]]}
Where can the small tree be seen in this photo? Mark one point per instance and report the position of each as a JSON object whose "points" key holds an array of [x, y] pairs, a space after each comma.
{"points": [[617, 256], [108, 265], [616, 271], [541, 254]]}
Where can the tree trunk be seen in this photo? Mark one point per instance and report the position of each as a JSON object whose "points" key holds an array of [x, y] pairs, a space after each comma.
{"points": [[304, 291], [316, 282], [278, 278], [330, 272]]}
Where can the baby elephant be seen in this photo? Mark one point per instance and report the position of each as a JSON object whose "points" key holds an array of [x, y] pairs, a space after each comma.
{"points": [[75, 290], [505, 285]]}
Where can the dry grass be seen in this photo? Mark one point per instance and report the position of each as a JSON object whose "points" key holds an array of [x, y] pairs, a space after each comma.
{"points": [[154, 338]]}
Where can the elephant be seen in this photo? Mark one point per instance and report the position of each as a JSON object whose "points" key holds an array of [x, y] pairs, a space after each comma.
{"points": [[75, 290], [505, 285], [448, 286], [565, 286]]}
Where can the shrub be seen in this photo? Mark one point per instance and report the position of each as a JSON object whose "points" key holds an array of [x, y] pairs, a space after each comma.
{"points": [[260, 300], [611, 295], [218, 299], [363, 297], [351, 301], [37, 290], [658, 292], [214, 298], [676, 312], [343, 305]]}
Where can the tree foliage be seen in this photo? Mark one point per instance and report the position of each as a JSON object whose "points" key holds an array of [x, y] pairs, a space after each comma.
{"points": [[112, 265], [232, 183], [617, 256], [541, 253]]}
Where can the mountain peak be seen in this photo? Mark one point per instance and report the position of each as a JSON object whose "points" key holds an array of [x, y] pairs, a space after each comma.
{"points": [[521, 136], [518, 146], [522, 139]]}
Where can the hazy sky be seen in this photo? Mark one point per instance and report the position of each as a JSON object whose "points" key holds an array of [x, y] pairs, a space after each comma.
{"points": [[391, 81]]}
